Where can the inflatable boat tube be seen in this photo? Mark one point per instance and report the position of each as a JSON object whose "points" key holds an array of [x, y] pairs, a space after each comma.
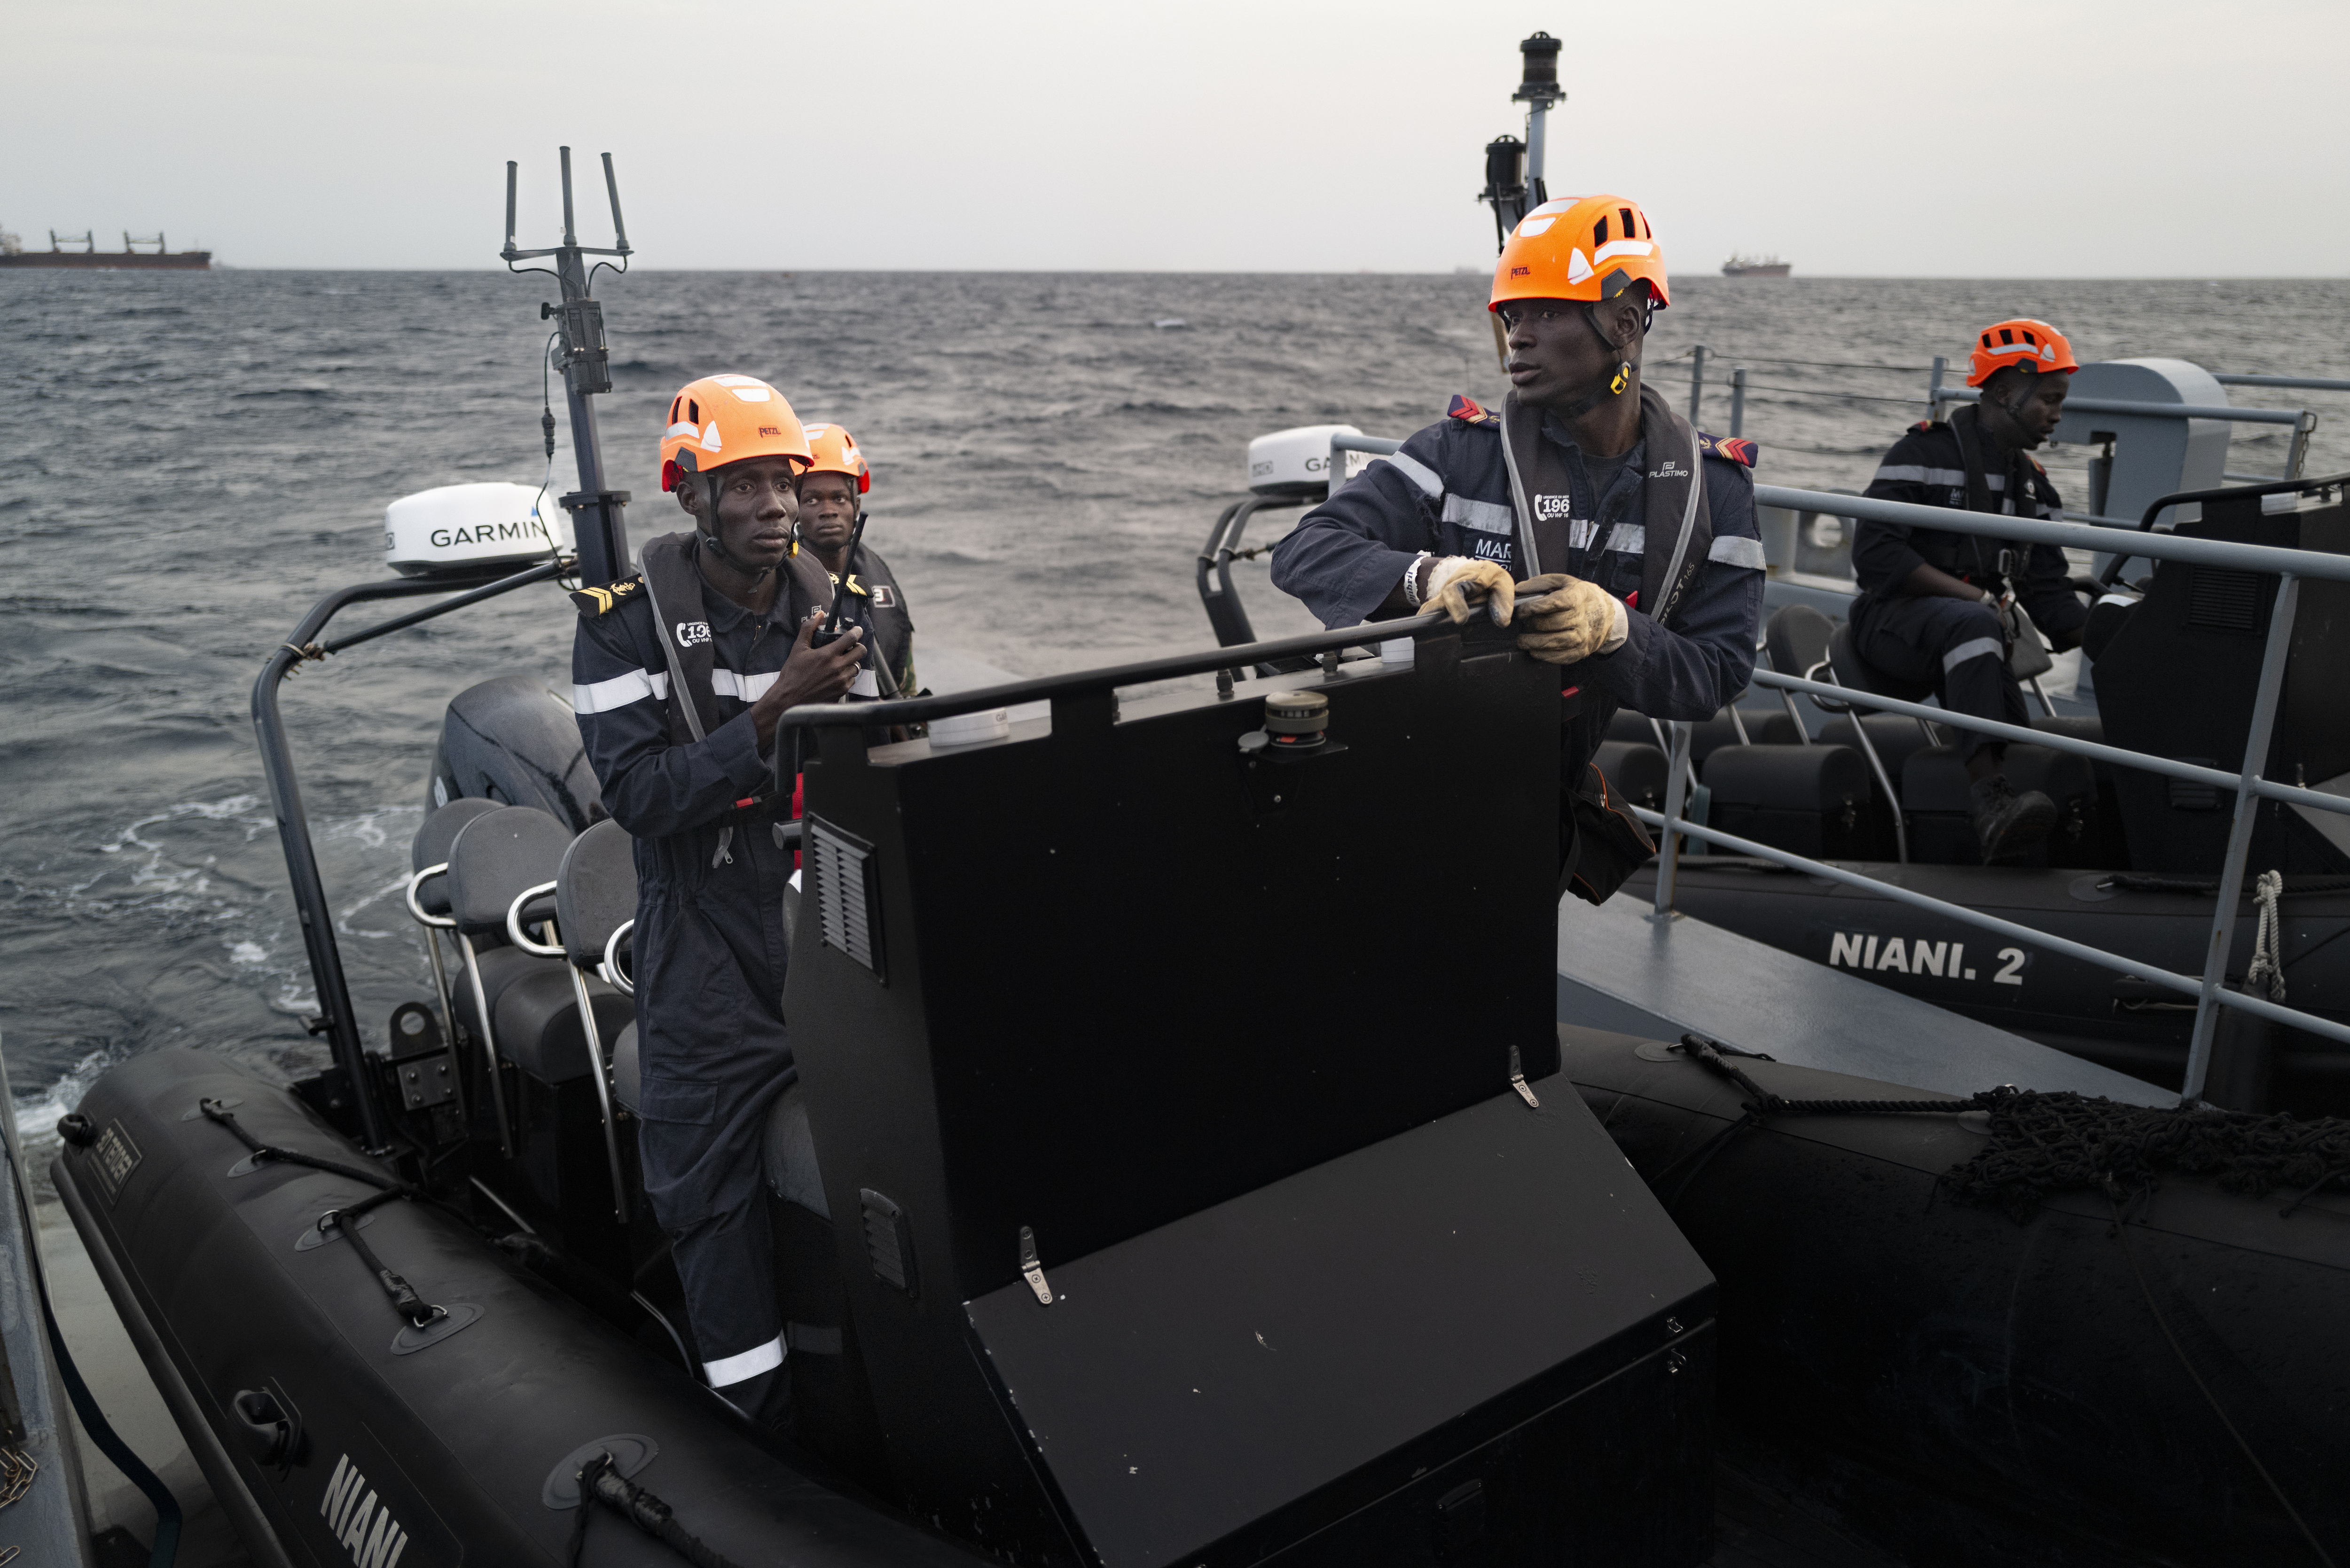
{"points": [[2172, 1385], [2111, 1019], [365, 1443]]}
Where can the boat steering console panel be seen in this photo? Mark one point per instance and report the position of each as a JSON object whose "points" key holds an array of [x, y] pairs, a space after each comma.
{"points": [[1307, 1254]]}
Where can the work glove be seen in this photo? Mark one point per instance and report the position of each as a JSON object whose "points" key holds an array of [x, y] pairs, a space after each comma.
{"points": [[1455, 581], [1562, 620]]}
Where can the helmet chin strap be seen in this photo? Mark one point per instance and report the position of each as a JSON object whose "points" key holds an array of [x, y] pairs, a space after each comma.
{"points": [[1611, 384], [709, 535], [2013, 408]]}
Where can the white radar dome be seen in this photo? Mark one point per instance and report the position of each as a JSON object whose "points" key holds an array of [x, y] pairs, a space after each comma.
{"points": [[1297, 462], [464, 527]]}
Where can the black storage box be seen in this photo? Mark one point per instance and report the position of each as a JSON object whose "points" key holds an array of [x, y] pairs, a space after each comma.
{"points": [[1120, 1010]]}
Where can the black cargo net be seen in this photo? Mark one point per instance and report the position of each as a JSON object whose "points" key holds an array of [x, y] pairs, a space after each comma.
{"points": [[2044, 1143], [2060, 1141]]}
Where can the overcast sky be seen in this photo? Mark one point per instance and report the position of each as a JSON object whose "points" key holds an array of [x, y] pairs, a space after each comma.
{"points": [[2048, 138]]}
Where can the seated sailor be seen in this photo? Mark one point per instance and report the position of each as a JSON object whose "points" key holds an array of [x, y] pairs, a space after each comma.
{"points": [[680, 675], [832, 517], [1636, 533], [1938, 607]]}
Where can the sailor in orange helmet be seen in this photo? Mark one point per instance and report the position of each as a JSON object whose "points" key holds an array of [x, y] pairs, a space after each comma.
{"points": [[1937, 608], [1638, 533], [680, 675], [832, 491]]}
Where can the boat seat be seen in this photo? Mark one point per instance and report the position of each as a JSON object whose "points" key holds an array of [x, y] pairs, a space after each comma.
{"points": [[495, 857], [1935, 799], [1818, 801], [537, 1018], [595, 892], [1634, 771], [1893, 736], [431, 845], [787, 1155], [1851, 669], [501, 969], [1705, 739], [1797, 640], [628, 1080], [534, 1013]]}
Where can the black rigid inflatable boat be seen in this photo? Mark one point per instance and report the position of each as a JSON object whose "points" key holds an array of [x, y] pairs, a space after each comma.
{"points": [[1142, 1201], [1252, 1275], [2135, 864], [2135, 1377], [334, 1429]]}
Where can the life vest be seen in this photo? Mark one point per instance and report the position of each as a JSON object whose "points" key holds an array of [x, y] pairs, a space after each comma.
{"points": [[1678, 522]]}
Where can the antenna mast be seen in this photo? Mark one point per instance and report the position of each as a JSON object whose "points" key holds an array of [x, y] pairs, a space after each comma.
{"points": [[1537, 90], [597, 510], [1514, 169]]}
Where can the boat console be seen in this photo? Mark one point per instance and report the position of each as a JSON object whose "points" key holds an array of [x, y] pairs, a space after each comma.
{"points": [[1182, 1078]]}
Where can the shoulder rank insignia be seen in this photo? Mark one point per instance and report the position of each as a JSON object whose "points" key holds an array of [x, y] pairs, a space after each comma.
{"points": [[1922, 426], [1466, 410], [603, 601], [1730, 448]]}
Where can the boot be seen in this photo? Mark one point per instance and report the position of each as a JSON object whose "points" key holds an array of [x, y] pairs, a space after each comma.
{"points": [[2008, 824]]}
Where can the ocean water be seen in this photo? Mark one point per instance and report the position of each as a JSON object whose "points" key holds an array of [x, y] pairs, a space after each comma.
{"points": [[187, 462]]}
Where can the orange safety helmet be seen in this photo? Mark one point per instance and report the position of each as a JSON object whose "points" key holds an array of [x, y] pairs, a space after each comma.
{"points": [[2019, 340], [720, 419], [836, 452], [1580, 247]]}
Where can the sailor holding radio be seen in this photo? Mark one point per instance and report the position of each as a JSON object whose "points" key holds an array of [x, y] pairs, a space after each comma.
{"points": [[1619, 543], [832, 512], [1939, 608], [679, 676]]}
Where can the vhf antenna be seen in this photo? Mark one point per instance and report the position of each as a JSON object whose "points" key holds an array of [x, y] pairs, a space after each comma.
{"points": [[1514, 169], [596, 510]]}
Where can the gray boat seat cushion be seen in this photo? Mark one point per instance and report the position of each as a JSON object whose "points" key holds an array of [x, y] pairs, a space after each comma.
{"points": [[430, 847], [1797, 638], [787, 1154], [626, 1078], [538, 1028], [596, 890], [495, 857], [501, 967], [1851, 669]]}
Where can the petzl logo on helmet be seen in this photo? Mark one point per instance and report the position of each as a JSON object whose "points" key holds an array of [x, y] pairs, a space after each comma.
{"points": [[1549, 506], [689, 632], [1522, 272], [771, 430]]}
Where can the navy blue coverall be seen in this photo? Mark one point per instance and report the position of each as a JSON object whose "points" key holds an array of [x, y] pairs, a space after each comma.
{"points": [[1448, 492], [1957, 646], [709, 953]]}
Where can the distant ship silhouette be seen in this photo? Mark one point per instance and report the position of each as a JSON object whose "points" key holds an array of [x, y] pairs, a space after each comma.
{"points": [[14, 254], [1754, 266]]}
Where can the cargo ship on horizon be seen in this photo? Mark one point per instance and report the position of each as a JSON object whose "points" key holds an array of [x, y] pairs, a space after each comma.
{"points": [[1755, 267], [13, 254]]}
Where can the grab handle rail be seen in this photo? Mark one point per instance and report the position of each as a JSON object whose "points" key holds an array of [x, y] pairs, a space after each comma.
{"points": [[609, 971], [416, 909], [513, 922]]}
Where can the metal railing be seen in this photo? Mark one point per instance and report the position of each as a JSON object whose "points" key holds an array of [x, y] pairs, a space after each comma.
{"points": [[2289, 566]]}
